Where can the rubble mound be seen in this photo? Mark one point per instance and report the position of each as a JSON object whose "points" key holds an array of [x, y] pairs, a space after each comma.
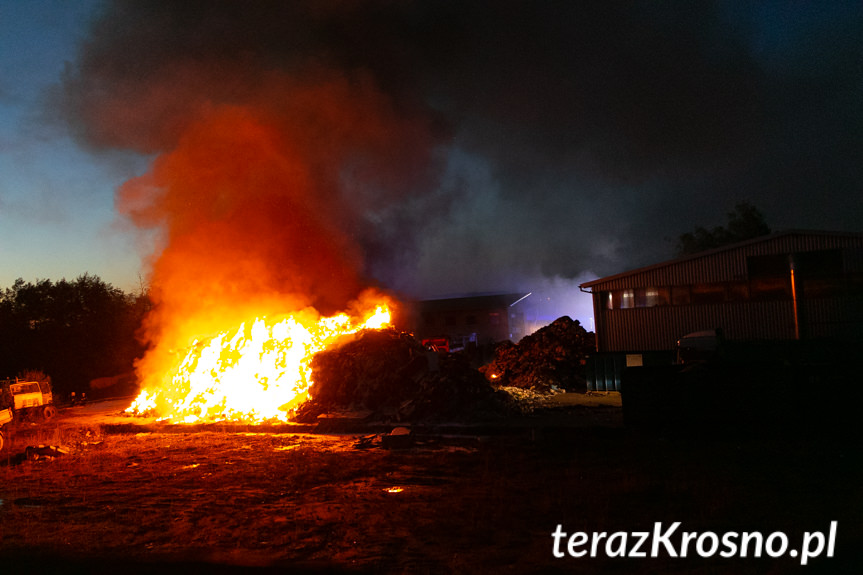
{"points": [[391, 374], [551, 357], [454, 391]]}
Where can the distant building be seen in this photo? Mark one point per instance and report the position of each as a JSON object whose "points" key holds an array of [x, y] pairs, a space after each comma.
{"points": [[786, 285], [471, 320]]}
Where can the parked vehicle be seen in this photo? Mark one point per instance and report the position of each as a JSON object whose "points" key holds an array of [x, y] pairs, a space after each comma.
{"points": [[5, 417], [32, 398], [24, 401], [27, 399]]}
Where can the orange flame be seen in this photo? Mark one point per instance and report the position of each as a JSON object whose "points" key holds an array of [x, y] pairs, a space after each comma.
{"points": [[257, 372], [256, 206]]}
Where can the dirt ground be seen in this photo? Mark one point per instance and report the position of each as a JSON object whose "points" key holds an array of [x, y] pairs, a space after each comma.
{"points": [[481, 500]]}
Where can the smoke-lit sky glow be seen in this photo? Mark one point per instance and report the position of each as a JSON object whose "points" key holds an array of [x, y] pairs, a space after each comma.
{"points": [[470, 146]]}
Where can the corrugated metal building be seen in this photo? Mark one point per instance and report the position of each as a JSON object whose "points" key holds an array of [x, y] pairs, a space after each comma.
{"points": [[745, 288], [787, 285]]}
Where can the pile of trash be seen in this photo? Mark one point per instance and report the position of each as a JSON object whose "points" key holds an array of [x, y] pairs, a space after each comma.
{"points": [[455, 390], [391, 374], [553, 357]]}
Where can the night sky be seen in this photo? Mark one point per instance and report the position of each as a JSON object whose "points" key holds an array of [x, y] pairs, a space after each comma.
{"points": [[455, 146]]}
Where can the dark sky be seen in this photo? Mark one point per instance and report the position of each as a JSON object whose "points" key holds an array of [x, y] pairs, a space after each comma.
{"points": [[539, 143]]}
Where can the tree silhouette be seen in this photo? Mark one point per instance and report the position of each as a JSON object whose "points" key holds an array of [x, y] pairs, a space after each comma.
{"points": [[71, 331], [744, 222]]}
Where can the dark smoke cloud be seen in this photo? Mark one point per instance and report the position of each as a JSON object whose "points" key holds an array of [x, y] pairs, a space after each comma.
{"points": [[561, 138]]}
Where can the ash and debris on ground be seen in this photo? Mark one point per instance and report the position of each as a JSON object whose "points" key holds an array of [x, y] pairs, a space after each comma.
{"points": [[526, 401], [391, 374]]}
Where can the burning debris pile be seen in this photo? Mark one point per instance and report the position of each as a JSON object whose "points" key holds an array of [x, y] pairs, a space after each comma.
{"points": [[390, 373], [552, 357], [257, 372]]}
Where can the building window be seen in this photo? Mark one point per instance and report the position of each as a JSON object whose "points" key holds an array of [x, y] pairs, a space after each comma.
{"points": [[768, 288], [708, 293], [632, 298], [697, 294], [655, 296], [769, 277], [737, 291], [824, 287], [494, 318], [680, 295], [627, 299]]}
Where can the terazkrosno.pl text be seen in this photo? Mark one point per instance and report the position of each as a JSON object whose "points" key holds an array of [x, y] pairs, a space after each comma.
{"points": [[670, 541]]}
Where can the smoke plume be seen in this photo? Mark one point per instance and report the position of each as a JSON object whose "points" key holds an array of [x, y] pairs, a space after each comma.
{"points": [[313, 147]]}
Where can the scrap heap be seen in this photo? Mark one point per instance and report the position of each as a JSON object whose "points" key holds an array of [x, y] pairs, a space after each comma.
{"points": [[391, 374], [552, 357]]}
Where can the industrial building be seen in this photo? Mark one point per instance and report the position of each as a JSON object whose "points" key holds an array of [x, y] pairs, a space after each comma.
{"points": [[786, 285], [474, 320]]}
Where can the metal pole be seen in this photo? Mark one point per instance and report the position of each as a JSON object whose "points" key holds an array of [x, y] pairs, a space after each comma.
{"points": [[791, 265]]}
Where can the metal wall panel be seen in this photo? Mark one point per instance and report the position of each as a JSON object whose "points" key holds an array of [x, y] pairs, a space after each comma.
{"points": [[658, 328], [834, 317]]}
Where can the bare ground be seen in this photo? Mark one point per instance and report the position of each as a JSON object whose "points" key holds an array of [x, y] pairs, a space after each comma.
{"points": [[485, 501]]}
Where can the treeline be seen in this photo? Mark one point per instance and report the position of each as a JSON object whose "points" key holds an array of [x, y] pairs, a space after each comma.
{"points": [[744, 222], [72, 331]]}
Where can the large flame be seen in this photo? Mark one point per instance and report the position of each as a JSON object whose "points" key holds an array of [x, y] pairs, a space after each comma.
{"points": [[257, 372], [257, 207]]}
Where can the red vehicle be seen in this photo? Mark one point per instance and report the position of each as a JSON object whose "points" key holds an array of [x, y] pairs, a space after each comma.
{"points": [[440, 343]]}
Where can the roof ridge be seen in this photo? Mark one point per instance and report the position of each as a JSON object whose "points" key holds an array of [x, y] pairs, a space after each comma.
{"points": [[719, 249]]}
